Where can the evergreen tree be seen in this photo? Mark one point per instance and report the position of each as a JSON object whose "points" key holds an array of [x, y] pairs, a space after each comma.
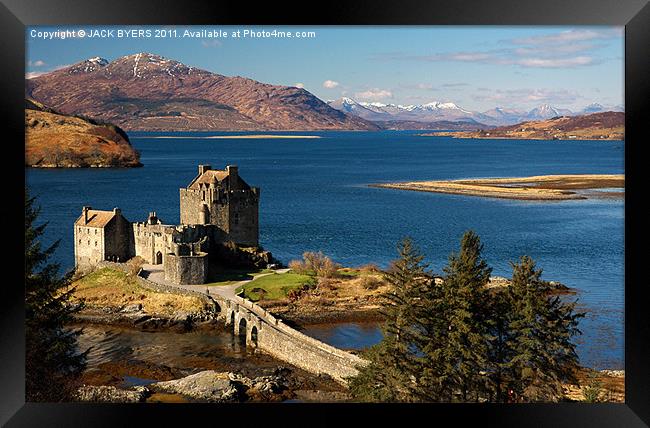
{"points": [[392, 372], [464, 354], [540, 328], [431, 327], [52, 362], [460, 341]]}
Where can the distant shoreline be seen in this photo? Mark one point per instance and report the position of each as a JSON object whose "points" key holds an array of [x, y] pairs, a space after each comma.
{"points": [[210, 137], [538, 188]]}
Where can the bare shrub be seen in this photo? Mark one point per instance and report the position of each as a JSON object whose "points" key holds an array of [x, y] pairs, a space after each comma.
{"points": [[320, 264], [371, 282], [298, 267]]}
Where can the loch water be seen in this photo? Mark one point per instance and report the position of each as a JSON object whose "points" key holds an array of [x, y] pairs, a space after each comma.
{"points": [[315, 197]]}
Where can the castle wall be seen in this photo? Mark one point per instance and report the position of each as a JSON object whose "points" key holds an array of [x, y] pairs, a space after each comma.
{"points": [[118, 238], [244, 212], [192, 269], [88, 246], [190, 204], [151, 239]]}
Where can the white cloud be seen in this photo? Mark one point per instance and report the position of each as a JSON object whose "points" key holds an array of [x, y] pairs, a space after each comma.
{"points": [[569, 36], [330, 84], [374, 94], [299, 85], [565, 49], [37, 63], [556, 62]]}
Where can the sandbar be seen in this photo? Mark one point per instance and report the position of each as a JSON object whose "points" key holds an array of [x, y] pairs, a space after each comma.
{"points": [[541, 188]]}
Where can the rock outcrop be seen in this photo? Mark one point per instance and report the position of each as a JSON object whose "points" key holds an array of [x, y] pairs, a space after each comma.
{"points": [[221, 387], [111, 394]]}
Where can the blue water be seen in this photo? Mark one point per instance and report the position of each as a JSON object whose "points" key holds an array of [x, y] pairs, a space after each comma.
{"points": [[314, 196]]}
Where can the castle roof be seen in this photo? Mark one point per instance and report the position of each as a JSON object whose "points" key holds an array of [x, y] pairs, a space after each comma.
{"points": [[96, 218], [209, 177]]}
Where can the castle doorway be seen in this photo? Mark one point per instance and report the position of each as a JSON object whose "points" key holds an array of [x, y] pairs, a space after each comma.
{"points": [[158, 258]]}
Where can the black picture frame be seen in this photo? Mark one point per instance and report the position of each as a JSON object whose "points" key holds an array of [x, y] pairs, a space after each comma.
{"points": [[15, 15]]}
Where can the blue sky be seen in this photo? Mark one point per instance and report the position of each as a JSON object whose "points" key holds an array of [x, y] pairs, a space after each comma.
{"points": [[476, 67]]}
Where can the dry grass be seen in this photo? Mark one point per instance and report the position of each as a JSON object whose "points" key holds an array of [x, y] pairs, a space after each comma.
{"points": [[110, 288], [355, 286], [612, 388]]}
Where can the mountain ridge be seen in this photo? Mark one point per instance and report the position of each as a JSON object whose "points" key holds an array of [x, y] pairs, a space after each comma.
{"points": [[149, 92]]}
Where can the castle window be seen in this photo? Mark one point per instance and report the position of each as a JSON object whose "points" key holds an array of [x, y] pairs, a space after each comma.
{"points": [[95, 243], [89, 242], [95, 231]]}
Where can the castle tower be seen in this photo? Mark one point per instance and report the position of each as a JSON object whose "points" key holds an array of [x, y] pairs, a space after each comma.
{"points": [[222, 199]]}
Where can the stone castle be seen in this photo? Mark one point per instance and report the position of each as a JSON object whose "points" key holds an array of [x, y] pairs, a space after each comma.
{"points": [[216, 207]]}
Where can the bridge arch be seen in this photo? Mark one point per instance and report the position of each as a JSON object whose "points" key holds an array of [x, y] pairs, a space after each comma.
{"points": [[242, 327], [253, 337]]}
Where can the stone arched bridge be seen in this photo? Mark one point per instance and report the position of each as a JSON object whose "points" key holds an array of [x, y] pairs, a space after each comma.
{"points": [[269, 334], [265, 332]]}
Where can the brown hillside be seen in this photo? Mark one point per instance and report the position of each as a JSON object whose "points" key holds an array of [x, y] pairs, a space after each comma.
{"points": [[54, 140], [149, 92], [597, 126]]}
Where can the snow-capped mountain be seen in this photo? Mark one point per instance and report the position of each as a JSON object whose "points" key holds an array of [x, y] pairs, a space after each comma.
{"points": [[597, 108], [546, 111], [348, 105], [89, 65], [429, 112], [447, 111], [503, 116]]}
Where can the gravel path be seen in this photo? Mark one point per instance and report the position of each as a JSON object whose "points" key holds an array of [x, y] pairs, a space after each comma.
{"points": [[155, 273]]}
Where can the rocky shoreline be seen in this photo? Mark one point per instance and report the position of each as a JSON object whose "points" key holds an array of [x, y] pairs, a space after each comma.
{"points": [[205, 386], [135, 317]]}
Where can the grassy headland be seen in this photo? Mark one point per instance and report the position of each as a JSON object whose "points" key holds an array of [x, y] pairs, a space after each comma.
{"points": [[109, 289], [597, 126]]}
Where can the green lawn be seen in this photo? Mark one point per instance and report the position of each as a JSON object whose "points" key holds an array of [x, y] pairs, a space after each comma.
{"points": [[274, 286]]}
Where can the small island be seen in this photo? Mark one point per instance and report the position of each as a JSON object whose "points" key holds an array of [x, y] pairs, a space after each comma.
{"points": [[536, 188]]}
